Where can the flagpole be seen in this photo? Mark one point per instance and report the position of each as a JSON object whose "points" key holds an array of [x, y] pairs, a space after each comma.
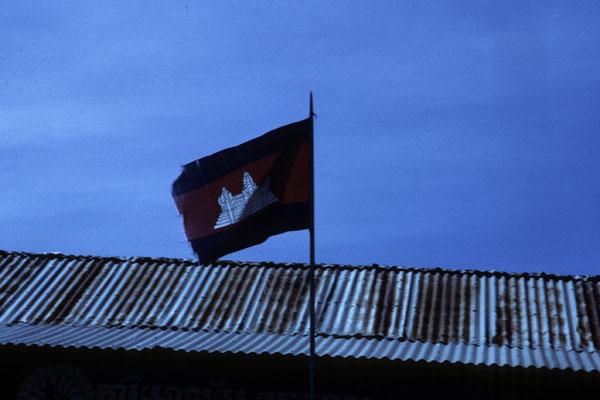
{"points": [[311, 268]]}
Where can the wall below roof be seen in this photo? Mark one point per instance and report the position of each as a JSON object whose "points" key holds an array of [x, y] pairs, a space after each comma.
{"points": [[86, 374]]}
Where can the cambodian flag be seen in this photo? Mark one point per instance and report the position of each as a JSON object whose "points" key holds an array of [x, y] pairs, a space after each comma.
{"points": [[240, 196]]}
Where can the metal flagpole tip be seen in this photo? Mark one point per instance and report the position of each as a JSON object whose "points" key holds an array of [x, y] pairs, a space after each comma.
{"points": [[311, 108]]}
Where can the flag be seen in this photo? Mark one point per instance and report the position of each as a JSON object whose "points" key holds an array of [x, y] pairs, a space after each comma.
{"points": [[240, 196]]}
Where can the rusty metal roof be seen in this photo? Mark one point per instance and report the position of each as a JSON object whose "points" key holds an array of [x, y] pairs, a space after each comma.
{"points": [[439, 315]]}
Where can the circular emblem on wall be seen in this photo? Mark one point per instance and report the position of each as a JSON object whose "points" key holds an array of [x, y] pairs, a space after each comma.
{"points": [[56, 382]]}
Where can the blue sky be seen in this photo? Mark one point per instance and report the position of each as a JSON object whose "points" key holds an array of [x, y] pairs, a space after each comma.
{"points": [[449, 134]]}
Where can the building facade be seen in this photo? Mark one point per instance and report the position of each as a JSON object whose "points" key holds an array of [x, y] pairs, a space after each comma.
{"points": [[83, 327]]}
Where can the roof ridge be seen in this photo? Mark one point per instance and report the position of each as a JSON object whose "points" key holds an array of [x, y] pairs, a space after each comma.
{"points": [[299, 265]]}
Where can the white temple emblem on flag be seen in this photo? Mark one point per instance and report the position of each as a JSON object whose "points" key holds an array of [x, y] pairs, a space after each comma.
{"points": [[252, 198]]}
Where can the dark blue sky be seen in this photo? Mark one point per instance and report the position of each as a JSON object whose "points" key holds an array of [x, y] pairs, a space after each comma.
{"points": [[459, 135]]}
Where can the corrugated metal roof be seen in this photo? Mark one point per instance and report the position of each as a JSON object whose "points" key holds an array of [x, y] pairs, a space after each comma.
{"points": [[263, 343], [369, 311]]}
